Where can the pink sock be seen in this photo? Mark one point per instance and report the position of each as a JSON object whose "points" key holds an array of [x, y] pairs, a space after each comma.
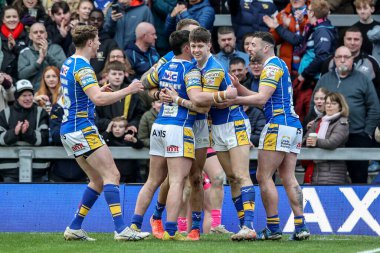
{"points": [[182, 224], [216, 217]]}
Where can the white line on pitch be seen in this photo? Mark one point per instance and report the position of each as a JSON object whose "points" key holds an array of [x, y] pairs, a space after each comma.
{"points": [[370, 251]]}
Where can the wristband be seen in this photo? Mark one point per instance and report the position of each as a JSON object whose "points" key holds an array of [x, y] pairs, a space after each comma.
{"points": [[176, 100]]}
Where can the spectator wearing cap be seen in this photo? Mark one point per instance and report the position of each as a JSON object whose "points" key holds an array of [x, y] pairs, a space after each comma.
{"points": [[23, 124]]}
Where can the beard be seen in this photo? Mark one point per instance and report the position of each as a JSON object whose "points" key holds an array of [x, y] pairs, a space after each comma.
{"points": [[257, 57], [228, 49], [343, 69]]}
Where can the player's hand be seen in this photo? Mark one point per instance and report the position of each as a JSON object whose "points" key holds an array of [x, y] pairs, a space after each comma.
{"points": [[164, 97], [25, 126], [106, 88], [231, 92], [234, 80], [18, 127], [171, 92], [135, 87]]}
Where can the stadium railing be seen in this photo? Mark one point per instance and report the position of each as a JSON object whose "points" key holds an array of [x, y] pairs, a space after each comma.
{"points": [[339, 20], [25, 155]]}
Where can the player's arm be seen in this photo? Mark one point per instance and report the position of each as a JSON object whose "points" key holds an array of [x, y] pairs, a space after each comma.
{"points": [[170, 91], [87, 80], [241, 89], [257, 99]]}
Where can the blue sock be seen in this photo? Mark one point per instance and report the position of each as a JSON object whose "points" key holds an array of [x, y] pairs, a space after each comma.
{"points": [[88, 199], [137, 220], [273, 223], [112, 196], [157, 215], [196, 220], [239, 208], [299, 222], [248, 199], [171, 227]]}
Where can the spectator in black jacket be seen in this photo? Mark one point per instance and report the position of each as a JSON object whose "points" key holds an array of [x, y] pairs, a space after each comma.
{"points": [[13, 39], [23, 124], [59, 27], [128, 107], [118, 135]]}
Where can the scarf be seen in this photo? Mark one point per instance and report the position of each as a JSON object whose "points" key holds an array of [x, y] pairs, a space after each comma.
{"points": [[15, 33], [324, 125], [319, 114]]}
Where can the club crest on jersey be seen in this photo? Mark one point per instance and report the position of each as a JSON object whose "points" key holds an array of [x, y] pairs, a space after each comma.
{"points": [[171, 76]]}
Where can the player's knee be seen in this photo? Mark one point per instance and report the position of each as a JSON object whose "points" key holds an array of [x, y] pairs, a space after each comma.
{"points": [[196, 180], [234, 179], [217, 181]]}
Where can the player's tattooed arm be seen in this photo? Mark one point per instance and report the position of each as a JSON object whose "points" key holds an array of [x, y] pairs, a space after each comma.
{"points": [[184, 102]]}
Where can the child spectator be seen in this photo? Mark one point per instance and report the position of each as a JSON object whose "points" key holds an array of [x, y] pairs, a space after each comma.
{"points": [[128, 107], [118, 135], [365, 8], [147, 121]]}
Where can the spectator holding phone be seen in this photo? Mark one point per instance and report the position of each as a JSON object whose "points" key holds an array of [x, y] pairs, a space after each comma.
{"points": [[126, 14], [30, 11]]}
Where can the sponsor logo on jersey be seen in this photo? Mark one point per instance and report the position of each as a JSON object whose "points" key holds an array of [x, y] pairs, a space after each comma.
{"points": [[77, 147], [171, 76], [64, 70], [159, 133]]}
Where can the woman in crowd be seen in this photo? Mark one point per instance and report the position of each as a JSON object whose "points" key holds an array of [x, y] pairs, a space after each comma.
{"points": [[331, 132], [318, 109], [13, 38], [30, 11], [50, 86]]}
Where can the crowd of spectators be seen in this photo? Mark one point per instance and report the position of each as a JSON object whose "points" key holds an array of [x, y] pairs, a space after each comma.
{"points": [[35, 41]]}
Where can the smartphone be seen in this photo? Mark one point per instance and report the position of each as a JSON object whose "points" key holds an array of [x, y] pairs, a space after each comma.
{"points": [[115, 7]]}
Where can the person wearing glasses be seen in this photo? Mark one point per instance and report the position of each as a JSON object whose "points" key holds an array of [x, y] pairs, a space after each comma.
{"points": [[360, 93]]}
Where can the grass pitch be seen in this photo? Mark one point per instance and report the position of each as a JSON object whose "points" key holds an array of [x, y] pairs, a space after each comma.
{"points": [[54, 242]]}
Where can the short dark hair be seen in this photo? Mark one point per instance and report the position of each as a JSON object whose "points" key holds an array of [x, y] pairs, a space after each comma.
{"points": [[60, 5], [200, 34], [177, 40], [225, 30], [353, 29], [98, 11], [237, 60], [265, 36], [83, 33]]}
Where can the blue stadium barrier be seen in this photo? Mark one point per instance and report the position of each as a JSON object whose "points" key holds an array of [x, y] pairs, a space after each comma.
{"points": [[50, 208]]}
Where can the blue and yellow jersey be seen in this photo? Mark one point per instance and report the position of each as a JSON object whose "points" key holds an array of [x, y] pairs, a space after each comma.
{"points": [[182, 75], [279, 108], [164, 59], [214, 78], [77, 76]]}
